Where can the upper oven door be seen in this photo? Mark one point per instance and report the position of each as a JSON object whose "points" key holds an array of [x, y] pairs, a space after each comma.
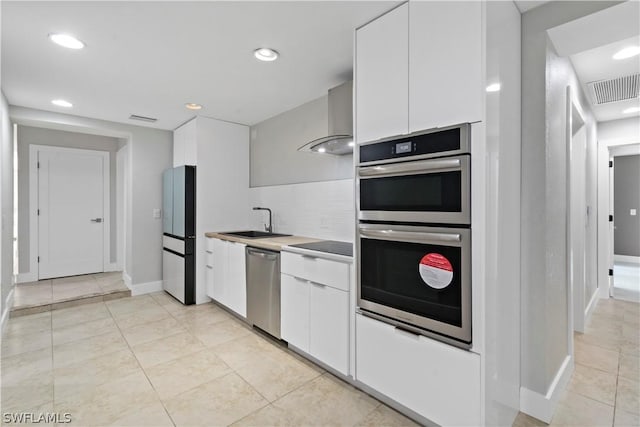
{"points": [[418, 275], [427, 191]]}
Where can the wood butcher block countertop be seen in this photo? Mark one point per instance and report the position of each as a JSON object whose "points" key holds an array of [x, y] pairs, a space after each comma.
{"points": [[272, 243]]}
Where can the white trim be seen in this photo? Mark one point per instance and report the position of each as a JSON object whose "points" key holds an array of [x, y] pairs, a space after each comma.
{"points": [[126, 279], [145, 288], [8, 304], [33, 203], [26, 277], [541, 406], [591, 306], [112, 266], [627, 258]]}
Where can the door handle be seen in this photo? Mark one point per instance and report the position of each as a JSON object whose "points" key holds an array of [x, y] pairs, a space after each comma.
{"points": [[96, 220]]}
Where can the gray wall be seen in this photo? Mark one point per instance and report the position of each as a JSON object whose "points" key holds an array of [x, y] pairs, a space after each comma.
{"points": [[6, 204], [28, 136], [275, 158], [150, 153], [626, 196], [545, 77]]}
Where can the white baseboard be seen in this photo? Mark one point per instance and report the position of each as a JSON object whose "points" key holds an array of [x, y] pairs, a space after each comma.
{"points": [[111, 267], [26, 277], [591, 306], [126, 279], [6, 309], [627, 258], [145, 288], [542, 406]]}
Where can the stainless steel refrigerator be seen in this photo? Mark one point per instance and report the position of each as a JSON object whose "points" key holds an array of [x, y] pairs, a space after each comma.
{"points": [[179, 229]]}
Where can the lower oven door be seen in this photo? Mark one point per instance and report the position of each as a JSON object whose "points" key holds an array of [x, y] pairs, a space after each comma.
{"points": [[420, 276]]}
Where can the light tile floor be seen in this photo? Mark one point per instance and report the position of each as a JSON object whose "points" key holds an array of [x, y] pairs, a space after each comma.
{"points": [[626, 281], [45, 295], [605, 386], [150, 361]]}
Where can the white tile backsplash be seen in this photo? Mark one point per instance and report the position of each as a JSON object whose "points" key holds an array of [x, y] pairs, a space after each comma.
{"points": [[322, 210]]}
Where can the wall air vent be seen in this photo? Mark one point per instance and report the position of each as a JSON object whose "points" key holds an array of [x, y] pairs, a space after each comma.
{"points": [[142, 118], [613, 90]]}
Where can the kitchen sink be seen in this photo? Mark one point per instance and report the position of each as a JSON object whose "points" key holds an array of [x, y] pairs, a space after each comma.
{"points": [[253, 234]]}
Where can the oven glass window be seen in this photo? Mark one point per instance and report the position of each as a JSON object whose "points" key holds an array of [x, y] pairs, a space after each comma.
{"points": [[413, 277], [433, 192]]}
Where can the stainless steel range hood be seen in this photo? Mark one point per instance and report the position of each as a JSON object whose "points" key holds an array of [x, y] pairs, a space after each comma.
{"points": [[339, 139]]}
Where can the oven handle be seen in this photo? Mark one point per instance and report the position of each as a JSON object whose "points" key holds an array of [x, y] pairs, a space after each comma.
{"points": [[411, 167], [412, 236]]}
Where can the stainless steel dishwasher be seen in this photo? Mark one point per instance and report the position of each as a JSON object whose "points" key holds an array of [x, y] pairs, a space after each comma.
{"points": [[263, 289]]}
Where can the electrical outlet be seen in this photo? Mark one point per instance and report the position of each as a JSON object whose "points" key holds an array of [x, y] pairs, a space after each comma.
{"points": [[632, 212]]}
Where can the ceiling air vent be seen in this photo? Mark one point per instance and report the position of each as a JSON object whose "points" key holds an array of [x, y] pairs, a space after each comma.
{"points": [[612, 90], [142, 118]]}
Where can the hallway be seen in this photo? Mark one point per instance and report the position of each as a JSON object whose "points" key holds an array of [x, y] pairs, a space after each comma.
{"points": [[605, 387]]}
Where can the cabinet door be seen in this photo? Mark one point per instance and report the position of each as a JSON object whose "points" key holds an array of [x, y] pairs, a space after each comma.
{"points": [[184, 144], [218, 292], [294, 311], [445, 69], [237, 278], [329, 326], [382, 76]]}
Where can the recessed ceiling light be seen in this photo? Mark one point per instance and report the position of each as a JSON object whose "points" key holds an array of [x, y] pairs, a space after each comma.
{"points": [[627, 52], [66, 41], [351, 144], [265, 54], [494, 87], [62, 103], [322, 150], [192, 106], [631, 110]]}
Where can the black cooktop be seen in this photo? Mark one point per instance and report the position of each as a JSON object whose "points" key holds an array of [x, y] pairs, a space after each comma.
{"points": [[329, 246]]}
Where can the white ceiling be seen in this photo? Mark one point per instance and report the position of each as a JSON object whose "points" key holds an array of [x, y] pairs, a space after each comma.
{"points": [[591, 41], [150, 58], [525, 5], [598, 64]]}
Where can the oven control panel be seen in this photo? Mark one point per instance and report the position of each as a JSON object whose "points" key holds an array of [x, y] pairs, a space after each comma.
{"points": [[431, 144]]}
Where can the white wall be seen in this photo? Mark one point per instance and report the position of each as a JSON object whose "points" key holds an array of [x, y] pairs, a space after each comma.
{"points": [[6, 210], [150, 152], [28, 136], [545, 341], [322, 210]]}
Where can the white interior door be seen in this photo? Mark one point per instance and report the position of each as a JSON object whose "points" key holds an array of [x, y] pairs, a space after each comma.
{"points": [[71, 220]]}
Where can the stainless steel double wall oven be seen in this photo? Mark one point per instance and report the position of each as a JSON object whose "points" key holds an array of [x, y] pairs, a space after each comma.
{"points": [[414, 232]]}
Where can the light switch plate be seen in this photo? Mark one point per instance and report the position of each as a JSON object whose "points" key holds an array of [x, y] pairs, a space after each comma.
{"points": [[157, 213], [632, 212]]}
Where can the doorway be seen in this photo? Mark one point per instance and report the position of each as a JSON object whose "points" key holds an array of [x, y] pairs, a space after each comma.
{"points": [[72, 211], [625, 204]]}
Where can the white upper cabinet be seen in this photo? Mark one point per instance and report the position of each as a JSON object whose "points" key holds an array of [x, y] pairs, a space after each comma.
{"points": [[382, 76], [445, 65], [184, 144]]}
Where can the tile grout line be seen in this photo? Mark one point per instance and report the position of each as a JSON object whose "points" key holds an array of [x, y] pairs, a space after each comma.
{"points": [[140, 364]]}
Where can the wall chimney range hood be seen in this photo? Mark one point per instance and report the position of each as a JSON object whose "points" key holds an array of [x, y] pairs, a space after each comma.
{"points": [[339, 139]]}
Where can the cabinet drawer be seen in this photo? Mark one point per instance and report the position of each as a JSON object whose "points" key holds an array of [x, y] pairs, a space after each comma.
{"points": [[208, 246], [438, 381], [318, 270], [208, 258]]}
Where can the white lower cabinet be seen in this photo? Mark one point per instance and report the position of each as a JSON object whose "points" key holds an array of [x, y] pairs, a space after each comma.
{"points": [[226, 274], [315, 308], [436, 380]]}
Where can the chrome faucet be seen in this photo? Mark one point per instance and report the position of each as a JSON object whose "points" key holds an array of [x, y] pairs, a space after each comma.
{"points": [[267, 228]]}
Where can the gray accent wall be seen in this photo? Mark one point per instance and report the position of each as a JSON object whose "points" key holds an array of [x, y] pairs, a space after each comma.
{"points": [[28, 136], [545, 77], [626, 196], [275, 159], [150, 153]]}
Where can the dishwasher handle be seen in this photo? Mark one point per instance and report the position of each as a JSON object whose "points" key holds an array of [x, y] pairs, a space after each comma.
{"points": [[262, 254]]}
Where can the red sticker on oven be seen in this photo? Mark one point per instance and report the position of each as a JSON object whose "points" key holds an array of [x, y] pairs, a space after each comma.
{"points": [[436, 270]]}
